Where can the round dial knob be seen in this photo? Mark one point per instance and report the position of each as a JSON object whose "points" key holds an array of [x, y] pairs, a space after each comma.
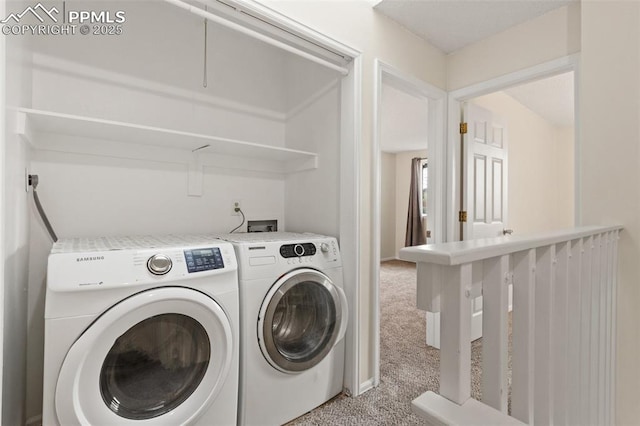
{"points": [[159, 264], [324, 247]]}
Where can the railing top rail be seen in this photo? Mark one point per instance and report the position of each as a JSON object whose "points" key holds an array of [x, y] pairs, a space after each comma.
{"points": [[460, 252]]}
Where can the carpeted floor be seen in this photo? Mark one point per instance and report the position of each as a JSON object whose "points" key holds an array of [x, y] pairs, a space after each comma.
{"points": [[408, 367]]}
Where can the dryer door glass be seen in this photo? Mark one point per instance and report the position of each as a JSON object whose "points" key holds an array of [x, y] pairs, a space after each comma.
{"points": [[154, 366], [301, 321]]}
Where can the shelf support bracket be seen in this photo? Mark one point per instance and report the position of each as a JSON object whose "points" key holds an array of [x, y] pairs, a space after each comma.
{"points": [[299, 166], [22, 127]]}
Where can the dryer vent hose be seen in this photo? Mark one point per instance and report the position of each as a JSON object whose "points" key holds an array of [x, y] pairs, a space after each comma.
{"points": [[33, 181]]}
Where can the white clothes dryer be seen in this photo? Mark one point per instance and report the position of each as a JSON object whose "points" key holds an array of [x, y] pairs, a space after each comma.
{"points": [[293, 318], [141, 331]]}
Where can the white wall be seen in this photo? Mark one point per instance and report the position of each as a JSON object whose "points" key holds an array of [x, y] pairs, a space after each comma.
{"points": [[358, 25], [163, 45], [15, 89], [540, 157], [566, 195], [312, 197], [404, 120], [610, 166], [550, 36], [388, 206]]}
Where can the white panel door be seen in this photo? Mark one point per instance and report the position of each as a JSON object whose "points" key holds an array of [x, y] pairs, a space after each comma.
{"points": [[485, 147], [485, 189]]}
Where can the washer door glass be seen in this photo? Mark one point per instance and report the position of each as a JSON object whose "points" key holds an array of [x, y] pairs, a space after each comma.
{"points": [[300, 320], [154, 366]]}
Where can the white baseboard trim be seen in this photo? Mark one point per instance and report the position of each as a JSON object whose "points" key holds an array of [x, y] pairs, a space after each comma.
{"points": [[366, 386], [436, 410], [34, 421], [386, 259]]}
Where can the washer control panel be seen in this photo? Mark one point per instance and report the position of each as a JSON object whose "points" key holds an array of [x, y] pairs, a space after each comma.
{"points": [[101, 263], [297, 250], [203, 259]]}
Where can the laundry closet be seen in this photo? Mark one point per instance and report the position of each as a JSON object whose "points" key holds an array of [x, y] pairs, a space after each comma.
{"points": [[163, 128]]}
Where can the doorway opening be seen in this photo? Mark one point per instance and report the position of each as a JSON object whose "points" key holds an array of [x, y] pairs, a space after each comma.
{"points": [[404, 136], [517, 167], [535, 91], [410, 128], [552, 174]]}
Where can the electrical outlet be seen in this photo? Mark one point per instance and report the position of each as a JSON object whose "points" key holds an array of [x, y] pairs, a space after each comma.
{"points": [[235, 204]]}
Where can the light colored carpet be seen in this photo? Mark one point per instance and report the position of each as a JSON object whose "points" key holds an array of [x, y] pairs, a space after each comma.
{"points": [[408, 367]]}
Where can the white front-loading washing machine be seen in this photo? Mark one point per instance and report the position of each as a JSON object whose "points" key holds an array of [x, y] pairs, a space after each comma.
{"points": [[141, 331], [293, 318]]}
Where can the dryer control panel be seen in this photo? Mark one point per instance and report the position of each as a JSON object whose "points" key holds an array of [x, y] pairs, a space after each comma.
{"points": [[297, 250]]}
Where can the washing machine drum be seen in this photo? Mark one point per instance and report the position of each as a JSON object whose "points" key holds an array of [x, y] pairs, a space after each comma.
{"points": [[301, 319], [159, 357]]}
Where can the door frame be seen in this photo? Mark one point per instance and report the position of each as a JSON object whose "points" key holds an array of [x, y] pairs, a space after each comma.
{"points": [[457, 97], [349, 219], [3, 221], [437, 160]]}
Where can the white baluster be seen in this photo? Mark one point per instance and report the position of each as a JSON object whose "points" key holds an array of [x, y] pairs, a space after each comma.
{"points": [[595, 330], [606, 342], [524, 271], [573, 336], [455, 331], [543, 389], [612, 346], [612, 238], [495, 333], [602, 339], [560, 330], [585, 329], [428, 284], [428, 291]]}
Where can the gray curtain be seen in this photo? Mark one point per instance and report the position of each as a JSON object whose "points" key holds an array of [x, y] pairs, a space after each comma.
{"points": [[415, 231]]}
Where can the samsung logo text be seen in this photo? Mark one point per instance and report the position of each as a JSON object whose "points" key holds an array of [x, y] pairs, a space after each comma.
{"points": [[89, 259]]}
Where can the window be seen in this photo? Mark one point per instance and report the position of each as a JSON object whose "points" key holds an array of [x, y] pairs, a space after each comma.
{"points": [[425, 184]]}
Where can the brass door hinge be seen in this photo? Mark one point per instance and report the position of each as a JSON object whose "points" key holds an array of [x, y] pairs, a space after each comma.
{"points": [[462, 216], [463, 128]]}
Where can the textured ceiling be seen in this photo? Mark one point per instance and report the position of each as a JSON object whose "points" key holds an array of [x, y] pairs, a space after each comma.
{"points": [[452, 24]]}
